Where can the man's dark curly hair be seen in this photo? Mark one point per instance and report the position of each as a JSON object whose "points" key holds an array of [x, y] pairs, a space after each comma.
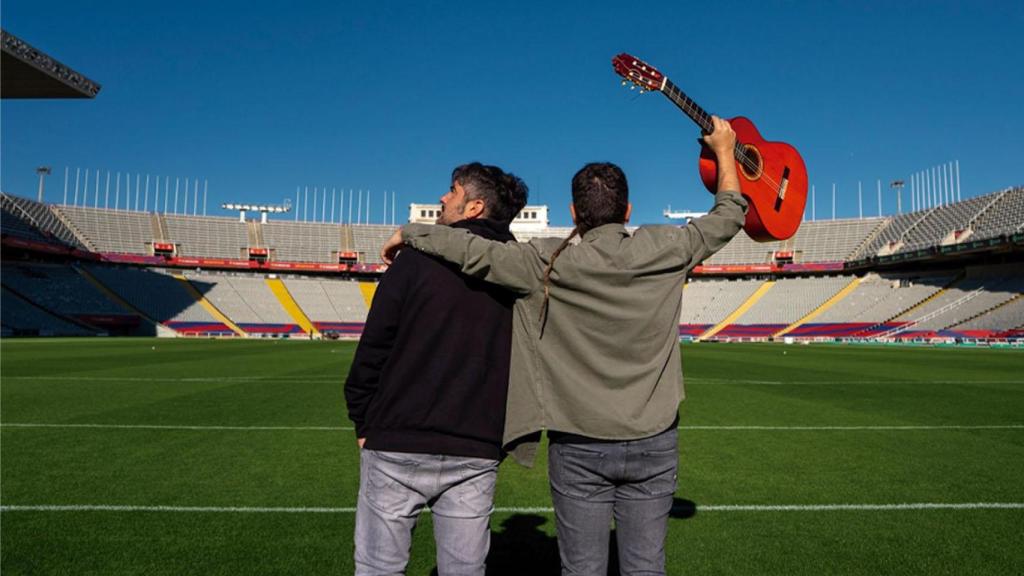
{"points": [[504, 194], [600, 194]]}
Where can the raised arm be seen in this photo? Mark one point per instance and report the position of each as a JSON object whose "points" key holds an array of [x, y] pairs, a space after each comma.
{"points": [[512, 265], [710, 233]]}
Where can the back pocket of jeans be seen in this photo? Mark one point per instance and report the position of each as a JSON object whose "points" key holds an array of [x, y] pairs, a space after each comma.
{"points": [[659, 470]]}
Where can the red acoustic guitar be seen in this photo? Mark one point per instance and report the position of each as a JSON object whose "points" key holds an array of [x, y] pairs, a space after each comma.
{"points": [[772, 174]]}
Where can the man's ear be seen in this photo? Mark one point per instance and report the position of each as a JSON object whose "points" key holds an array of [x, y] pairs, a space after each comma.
{"points": [[474, 209], [572, 212], [629, 210]]}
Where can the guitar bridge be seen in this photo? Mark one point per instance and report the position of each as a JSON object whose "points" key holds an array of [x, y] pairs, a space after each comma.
{"points": [[783, 185]]}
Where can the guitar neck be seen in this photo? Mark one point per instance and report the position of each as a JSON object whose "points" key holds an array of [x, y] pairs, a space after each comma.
{"points": [[688, 106], [700, 116]]}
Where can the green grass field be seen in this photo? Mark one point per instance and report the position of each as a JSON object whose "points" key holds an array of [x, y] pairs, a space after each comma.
{"points": [[246, 446]]}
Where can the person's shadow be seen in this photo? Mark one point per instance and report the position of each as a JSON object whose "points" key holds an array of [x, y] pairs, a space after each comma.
{"points": [[522, 547]]}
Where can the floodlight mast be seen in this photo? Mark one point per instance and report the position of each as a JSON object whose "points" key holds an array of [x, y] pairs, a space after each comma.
{"points": [[43, 172], [263, 209], [897, 185]]}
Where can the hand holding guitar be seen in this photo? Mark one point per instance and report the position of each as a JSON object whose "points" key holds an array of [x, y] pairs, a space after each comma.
{"points": [[722, 141]]}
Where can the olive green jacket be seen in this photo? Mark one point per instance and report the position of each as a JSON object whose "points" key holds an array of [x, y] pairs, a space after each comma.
{"points": [[605, 363]]}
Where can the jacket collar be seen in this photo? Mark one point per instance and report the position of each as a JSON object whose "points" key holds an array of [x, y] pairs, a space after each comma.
{"points": [[613, 229], [487, 228]]}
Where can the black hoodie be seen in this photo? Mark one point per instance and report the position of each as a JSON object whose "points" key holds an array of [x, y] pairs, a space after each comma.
{"points": [[431, 371]]}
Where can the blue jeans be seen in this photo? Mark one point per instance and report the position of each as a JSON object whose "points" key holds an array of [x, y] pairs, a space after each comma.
{"points": [[394, 487], [632, 481]]}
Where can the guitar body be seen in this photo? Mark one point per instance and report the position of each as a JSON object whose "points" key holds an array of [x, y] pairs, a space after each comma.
{"points": [[772, 175], [774, 182]]}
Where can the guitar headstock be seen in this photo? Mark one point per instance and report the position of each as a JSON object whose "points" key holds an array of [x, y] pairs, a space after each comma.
{"points": [[638, 72]]}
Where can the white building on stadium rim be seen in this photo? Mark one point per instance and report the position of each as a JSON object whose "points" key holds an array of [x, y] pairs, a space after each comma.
{"points": [[530, 218]]}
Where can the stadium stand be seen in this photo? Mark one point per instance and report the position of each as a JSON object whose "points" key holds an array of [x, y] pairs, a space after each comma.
{"points": [[941, 226], [889, 238], [246, 300], [347, 298], [787, 301], [21, 317], [879, 298], [254, 291], [159, 296], [709, 301], [978, 218], [790, 299], [36, 221], [835, 241], [819, 241], [336, 306], [743, 250], [756, 294], [208, 236], [116, 231], [59, 289], [112, 230], [16, 223], [981, 290], [1008, 315], [1004, 216], [313, 298], [305, 242], [369, 238]]}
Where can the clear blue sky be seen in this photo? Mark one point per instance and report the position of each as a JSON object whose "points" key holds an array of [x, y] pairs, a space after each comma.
{"points": [[261, 97]]}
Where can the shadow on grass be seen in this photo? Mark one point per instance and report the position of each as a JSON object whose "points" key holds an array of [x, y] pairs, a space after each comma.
{"points": [[682, 509], [522, 547]]}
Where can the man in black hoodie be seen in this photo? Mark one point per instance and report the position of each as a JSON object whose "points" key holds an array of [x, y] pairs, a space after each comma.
{"points": [[427, 391]]}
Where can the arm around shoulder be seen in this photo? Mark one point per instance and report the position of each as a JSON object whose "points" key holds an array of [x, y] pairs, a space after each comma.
{"points": [[512, 265]]}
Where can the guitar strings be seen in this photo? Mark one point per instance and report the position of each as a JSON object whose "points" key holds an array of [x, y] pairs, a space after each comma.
{"points": [[738, 150]]}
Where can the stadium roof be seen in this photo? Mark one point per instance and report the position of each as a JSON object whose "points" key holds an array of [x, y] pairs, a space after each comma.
{"points": [[27, 72]]}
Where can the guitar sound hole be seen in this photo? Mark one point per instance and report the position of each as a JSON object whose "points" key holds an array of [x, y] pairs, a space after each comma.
{"points": [[750, 163]]}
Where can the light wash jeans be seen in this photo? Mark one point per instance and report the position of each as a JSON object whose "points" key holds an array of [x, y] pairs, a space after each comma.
{"points": [[394, 487], [632, 481]]}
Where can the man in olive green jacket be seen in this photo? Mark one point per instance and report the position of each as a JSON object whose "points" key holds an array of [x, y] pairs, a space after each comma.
{"points": [[595, 355]]}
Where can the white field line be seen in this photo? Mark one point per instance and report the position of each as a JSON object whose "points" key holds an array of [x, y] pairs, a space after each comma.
{"points": [[172, 427], [339, 379], [290, 379], [521, 510], [843, 382], [350, 428], [883, 427]]}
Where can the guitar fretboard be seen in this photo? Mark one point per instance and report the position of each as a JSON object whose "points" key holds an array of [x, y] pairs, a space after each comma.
{"points": [[688, 106], [700, 116]]}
